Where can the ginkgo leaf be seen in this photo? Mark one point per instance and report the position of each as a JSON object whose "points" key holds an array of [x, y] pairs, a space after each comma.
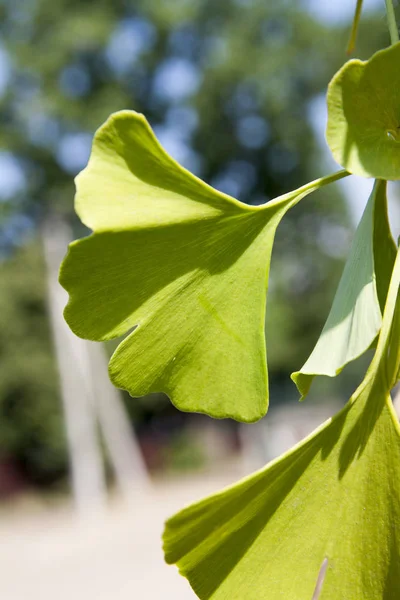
{"points": [[364, 115], [355, 317], [184, 263], [327, 511]]}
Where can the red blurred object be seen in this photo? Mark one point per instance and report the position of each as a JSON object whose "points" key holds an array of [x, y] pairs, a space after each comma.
{"points": [[12, 479]]}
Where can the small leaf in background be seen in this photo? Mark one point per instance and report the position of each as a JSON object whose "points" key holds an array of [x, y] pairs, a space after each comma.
{"points": [[184, 263], [363, 130], [355, 317], [326, 514]]}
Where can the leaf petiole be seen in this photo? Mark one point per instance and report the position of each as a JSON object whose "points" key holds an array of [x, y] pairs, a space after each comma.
{"points": [[312, 186], [354, 29], [392, 24]]}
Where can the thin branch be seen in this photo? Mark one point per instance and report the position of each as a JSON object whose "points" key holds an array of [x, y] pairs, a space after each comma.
{"points": [[353, 35]]}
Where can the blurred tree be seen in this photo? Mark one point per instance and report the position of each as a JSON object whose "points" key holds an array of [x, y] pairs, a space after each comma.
{"points": [[31, 420], [227, 87]]}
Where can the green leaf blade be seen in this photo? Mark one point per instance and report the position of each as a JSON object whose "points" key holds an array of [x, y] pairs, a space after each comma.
{"points": [[179, 267], [200, 315], [204, 343], [267, 537], [355, 316], [363, 116], [332, 500], [131, 182]]}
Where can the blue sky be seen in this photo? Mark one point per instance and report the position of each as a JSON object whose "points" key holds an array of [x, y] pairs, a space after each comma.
{"points": [[340, 11]]}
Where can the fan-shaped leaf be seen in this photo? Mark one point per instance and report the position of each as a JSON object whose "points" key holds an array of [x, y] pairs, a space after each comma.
{"points": [[184, 263], [364, 115]]}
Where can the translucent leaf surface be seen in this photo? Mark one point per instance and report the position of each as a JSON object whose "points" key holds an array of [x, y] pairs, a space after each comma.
{"points": [[355, 317], [364, 115], [327, 511], [184, 263]]}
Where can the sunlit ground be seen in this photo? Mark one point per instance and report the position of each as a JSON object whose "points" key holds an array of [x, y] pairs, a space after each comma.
{"points": [[49, 554]]}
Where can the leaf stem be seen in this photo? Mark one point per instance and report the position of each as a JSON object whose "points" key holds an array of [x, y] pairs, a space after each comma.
{"points": [[354, 29], [392, 24], [388, 348], [302, 191]]}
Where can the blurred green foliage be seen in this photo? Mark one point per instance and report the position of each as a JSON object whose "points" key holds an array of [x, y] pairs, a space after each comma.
{"points": [[31, 421], [227, 87]]}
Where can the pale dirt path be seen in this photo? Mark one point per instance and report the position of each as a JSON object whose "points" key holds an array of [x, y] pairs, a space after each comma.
{"points": [[50, 555]]}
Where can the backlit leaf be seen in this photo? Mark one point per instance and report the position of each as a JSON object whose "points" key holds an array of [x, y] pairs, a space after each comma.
{"points": [[327, 511], [184, 263], [355, 317], [364, 115]]}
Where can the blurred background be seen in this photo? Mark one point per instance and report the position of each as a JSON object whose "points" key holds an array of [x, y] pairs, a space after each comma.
{"points": [[234, 90]]}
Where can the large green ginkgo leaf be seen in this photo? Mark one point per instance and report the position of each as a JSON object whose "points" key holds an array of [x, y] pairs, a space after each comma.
{"points": [[364, 115], [355, 317], [184, 263], [328, 511]]}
